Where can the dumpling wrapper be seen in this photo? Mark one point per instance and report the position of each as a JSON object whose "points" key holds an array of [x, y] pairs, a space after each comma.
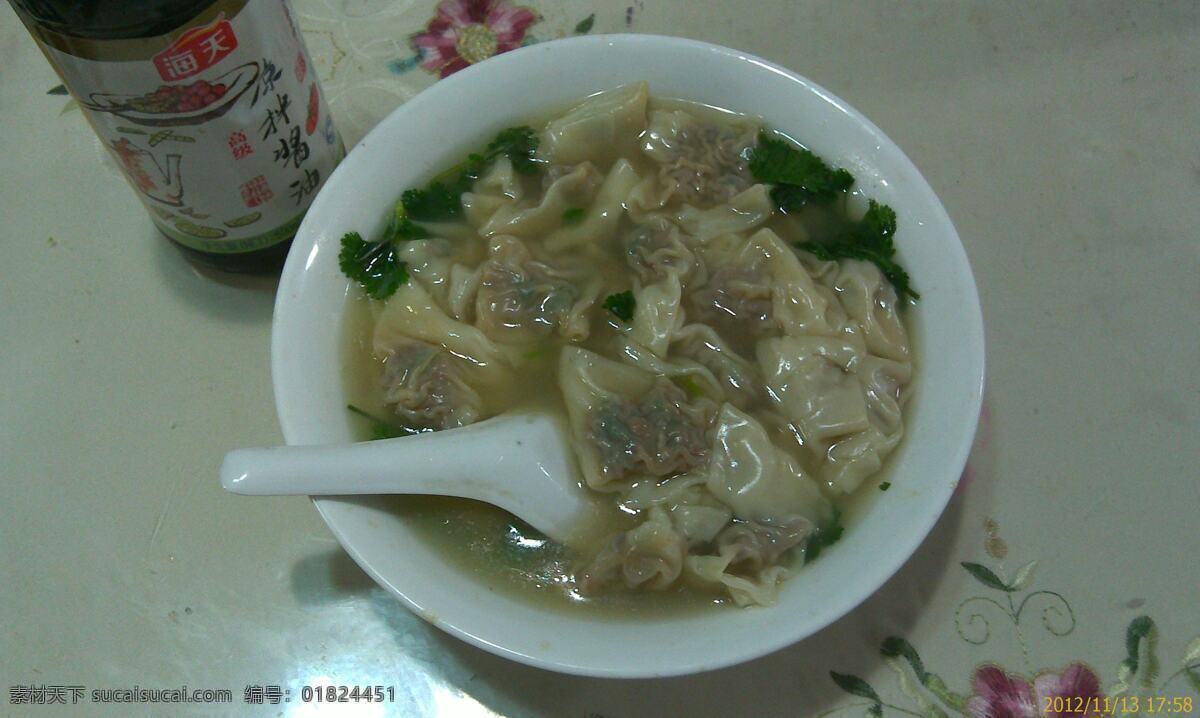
{"points": [[411, 313], [600, 221], [811, 381], [657, 314], [744, 212], [574, 189], [602, 128], [756, 479]]}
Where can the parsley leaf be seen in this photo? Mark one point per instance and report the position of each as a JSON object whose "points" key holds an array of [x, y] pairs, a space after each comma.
{"points": [[574, 215], [401, 228], [519, 145], [869, 239], [885, 486], [824, 537], [584, 26], [799, 176], [442, 199], [621, 304], [436, 203], [374, 265]]}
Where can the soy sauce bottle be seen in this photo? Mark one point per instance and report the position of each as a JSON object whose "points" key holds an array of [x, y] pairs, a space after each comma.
{"points": [[211, 109]]}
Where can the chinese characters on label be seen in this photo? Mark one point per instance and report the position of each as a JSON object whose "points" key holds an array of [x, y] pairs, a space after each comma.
{"points": [[196, 50]]}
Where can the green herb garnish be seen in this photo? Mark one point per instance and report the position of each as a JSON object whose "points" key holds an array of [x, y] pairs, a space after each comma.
{"points": [[885, 486], [621, 304], [374, 265], [574, 215], [584, 26], [381, 429], [799, 176], [824, 537], [519, 145], [442, 199], [689, 386], [435, 203], [869, 239]]}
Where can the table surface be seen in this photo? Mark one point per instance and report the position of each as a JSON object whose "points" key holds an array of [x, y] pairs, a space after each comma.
{"points": [[1062, 138]]}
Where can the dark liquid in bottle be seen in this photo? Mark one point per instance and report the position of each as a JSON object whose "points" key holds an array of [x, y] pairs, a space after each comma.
{"points": [[132, 19]]}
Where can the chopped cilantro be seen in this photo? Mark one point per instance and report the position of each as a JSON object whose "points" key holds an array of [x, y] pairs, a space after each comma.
{"points": [[885, 486], [442, 199], [519, 145], [574, 215], [799, 176], [824, 537], [436, 203], [381, 429], [374, 265], [869, 239], [401, 228], [621, 304], [689, 385]]}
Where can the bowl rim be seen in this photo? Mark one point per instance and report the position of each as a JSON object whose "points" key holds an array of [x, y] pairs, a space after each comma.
{"points": [[306, 240]]}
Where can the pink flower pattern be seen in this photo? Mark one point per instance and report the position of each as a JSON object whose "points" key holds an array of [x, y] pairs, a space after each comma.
{"points": [[464, 32], [1001, 695]]}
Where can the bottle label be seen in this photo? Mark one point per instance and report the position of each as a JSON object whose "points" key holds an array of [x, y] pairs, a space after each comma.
{"points": [[220, 125]]}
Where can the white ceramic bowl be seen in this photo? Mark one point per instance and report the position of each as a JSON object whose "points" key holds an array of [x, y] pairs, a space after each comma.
{"points": [[433, 131]]}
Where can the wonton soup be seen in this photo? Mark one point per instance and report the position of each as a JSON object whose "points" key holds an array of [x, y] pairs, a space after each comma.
{"points": [[709, 307]]}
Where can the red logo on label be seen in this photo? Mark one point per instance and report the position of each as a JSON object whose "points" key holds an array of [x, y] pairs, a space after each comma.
{"points": [[196, 50]]}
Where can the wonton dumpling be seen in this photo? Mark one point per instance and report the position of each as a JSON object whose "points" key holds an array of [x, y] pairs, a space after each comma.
{"points": [[600, 129], [627, 423], [429, 261], [600, 221], [759, 590], [800, 305], [738, 379], [756, 479], [655, 248], [651, 194], [410, 313], [460, 291], [744, 212], [811, 380], [696, 515], [762, 287], [854, 458], [871, 301], [649, 556], [657, 314], [759, 545], [693, 375], [427, 388], [501, 179], [702, 159], [521, 300], [574, 189]]}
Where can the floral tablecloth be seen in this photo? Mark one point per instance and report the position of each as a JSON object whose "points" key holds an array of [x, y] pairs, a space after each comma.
{"points": [[1063, 579]]}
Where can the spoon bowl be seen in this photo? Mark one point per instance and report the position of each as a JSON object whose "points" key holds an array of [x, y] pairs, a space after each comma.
{"points": [[519, 462]]}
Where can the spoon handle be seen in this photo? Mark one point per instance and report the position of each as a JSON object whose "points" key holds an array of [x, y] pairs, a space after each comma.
{"points": [[450, 463]]}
